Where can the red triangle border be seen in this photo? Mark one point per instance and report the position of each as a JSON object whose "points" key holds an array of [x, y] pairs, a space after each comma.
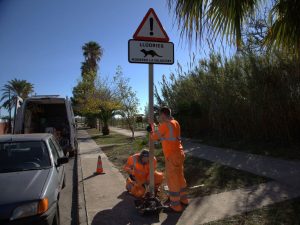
{"points": [[136, 37]]}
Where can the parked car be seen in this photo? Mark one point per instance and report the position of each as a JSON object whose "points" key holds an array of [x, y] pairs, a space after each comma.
{"points": [[32, 176], [48, 114]]}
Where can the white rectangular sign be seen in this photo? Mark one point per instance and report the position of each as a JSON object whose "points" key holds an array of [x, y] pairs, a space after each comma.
{"points": [[150, 52]]}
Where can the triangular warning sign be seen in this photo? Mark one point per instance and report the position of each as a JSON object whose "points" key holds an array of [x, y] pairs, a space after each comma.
{"points": [[151, 29]]}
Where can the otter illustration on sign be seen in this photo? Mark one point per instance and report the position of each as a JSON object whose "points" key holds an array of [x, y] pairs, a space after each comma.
{"points": [[150, 52]]}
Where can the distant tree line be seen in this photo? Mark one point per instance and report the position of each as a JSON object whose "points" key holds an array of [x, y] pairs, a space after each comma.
{"points": [[98, 98]]}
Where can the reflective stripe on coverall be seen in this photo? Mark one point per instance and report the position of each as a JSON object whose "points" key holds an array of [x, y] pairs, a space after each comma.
{"points": [[169, 135], [140, 176]]}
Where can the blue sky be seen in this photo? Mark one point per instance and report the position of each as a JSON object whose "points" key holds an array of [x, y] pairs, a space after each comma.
{"points": [[41, 40]]}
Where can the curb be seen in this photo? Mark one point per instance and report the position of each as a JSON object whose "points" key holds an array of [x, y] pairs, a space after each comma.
{"points": [[82, 213]]}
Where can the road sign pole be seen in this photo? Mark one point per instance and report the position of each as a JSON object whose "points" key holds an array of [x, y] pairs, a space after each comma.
{"points": [[151, 120]]}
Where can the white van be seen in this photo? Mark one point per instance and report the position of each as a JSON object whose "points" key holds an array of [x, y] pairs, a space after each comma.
{"points": [[48, 114]]}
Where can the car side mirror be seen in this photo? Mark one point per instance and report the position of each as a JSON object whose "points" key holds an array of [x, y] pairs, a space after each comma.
{"points": [[62, 160]]}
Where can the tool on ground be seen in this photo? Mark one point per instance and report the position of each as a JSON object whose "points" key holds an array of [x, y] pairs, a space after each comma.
{"points": [[99, 169], [149, 204]]}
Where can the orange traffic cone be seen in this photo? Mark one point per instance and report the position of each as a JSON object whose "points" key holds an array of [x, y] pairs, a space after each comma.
{"points": [[99, 169]]}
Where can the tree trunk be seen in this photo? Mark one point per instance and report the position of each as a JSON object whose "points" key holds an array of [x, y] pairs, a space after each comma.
{"points": [[131, 127], [105, 128], [132, 132]]}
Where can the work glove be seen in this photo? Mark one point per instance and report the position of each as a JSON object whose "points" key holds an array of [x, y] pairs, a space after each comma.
{"points": [[132, 177], [149, 128]]}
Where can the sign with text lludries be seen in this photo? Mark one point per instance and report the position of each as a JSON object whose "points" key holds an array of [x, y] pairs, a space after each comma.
{"points": [[150, 52]]}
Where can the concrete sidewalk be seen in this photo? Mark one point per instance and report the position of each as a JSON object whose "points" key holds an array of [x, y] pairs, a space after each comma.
{"points": [[226, 204], [128, 132], [106, 201], [283, 171]]}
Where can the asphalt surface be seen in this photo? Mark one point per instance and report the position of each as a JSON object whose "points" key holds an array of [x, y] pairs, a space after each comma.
{"points": [[68, 197]]}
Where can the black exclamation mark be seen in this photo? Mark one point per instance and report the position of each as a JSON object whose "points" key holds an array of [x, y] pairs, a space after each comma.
{"points": [[151, 26]]}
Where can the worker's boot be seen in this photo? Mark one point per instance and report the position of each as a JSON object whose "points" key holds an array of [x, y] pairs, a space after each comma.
{"points": [[183, 197], [175, 204], [176, 207], [185, 201]]}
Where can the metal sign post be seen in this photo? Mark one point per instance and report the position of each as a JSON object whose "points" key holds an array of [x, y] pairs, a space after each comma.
{"points": [[150, 45], [151, 120]]}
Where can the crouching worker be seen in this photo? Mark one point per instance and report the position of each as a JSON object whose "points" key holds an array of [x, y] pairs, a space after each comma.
{"points": [[138, 168]]}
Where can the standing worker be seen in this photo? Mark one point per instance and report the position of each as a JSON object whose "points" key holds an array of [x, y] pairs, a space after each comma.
{"points": [[169, 135], [137, 167]]}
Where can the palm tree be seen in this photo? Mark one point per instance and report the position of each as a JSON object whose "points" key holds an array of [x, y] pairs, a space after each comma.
{"points": [[285, 30], [13, 90], [92, 52], [226, 17]]}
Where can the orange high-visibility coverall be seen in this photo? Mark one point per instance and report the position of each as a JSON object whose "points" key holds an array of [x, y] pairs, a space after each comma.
{"points": [[140, 175], [169, 135]]}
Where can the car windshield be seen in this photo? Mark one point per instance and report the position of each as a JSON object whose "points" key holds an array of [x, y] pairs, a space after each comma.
{"points": [[25, 155]]}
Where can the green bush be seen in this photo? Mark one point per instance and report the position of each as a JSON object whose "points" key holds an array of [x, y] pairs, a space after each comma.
{"points": [[247, 96]]}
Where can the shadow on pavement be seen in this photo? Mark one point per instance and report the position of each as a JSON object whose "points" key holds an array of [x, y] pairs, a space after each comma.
{"points": [[172, 219], [125, 213], [74, 207], [93, 175]]}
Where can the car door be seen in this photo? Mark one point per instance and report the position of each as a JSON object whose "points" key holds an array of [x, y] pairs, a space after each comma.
{"points": [[57, 153], [58, 147]]}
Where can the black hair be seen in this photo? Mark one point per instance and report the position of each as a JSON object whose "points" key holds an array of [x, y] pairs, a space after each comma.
{"points": [[165, 110], [144, 153]]}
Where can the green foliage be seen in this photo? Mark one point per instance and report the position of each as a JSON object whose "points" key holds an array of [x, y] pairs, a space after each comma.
{"points": [[247, 96], [285, 30], [106, 105], [92, 53], [227, 18], [85, 87], [127, 98]]}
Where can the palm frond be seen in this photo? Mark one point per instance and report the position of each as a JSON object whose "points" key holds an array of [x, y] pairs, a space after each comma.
{"points": [[13, 89], [214, 17], [284, 33]]}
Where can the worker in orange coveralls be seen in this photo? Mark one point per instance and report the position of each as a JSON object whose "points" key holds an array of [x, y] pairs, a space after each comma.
{"points": [[138, 169], [169, 134]]}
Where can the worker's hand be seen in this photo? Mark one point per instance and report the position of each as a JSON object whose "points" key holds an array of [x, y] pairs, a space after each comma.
{"points": [[130, 170], [132, 177], [149, 128]]}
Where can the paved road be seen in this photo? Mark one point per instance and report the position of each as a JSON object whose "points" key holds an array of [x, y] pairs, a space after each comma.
{"points": [[68, 197]]}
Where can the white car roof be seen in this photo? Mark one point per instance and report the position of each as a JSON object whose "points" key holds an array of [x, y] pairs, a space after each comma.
{"points": [[25, 137]]}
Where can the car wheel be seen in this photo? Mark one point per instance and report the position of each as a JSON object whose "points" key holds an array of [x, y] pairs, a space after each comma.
{"points": [[56, 219]]}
